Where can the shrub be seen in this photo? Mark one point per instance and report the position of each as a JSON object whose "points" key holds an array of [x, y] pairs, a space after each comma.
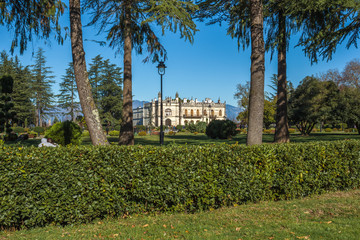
{"points": [[172, 133], [292, 130], [142, 133], [191, 127], [267, 131], [39, 184], [64, 133], [18, 130], [179, 128], [195, 133], [85, 133], [328, 130], [34, 134], [141, 127], [221, 129], [200, 127], [114, 133], [39, 130]]}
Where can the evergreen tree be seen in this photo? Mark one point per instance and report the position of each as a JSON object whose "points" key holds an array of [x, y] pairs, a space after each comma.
{"points": [[95, 71], [111, 94], [128, 24], [91, 113], [41, 86], [7, 114], [68, 93]]}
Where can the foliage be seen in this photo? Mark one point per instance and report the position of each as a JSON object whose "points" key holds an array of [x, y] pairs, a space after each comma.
{"points": [[179, 128], [114, 133], [313, 101], [110, 181], [142, 133], [85, 133], [65, 133], [39, 130], [221, 129], [328, 130], [68, 93], [7, 114], [18, 129]]}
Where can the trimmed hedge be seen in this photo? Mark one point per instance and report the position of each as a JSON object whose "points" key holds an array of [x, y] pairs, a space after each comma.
{"points": [[65, 185]]}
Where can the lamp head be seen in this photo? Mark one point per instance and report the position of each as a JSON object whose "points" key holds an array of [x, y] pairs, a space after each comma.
{"points": [[161, 68]]}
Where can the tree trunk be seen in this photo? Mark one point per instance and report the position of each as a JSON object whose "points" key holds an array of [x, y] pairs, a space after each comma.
{"points": [[256, 99], [89, 109], [282, 129], [126, 130]]}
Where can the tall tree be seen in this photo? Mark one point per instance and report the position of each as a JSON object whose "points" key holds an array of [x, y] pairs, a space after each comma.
{"points": [[111, 94], [42, 87], [245, 23], [88, 106], [95, 72], [68, 93], [129, 27]]}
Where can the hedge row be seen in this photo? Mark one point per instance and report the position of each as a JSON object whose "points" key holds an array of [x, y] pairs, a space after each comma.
{"points": [[64, 185]]}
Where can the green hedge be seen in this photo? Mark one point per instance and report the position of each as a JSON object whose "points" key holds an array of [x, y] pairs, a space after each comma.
{"points": [[65, 185]]}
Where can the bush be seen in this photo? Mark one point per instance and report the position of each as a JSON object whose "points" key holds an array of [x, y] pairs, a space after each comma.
{"points": [[39, 184], [328, 130], [34, 134], [64, 133], [85, 133], [191, 127], [267, 131], [18, 130], [172, 133], [39, 130], [141, 127], [221, 129], [292, 130], [114, 133], [179, 128], [142, 133]]}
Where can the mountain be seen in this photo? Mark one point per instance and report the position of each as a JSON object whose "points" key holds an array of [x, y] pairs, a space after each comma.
{"points": [[232, 112], [138, 103]]}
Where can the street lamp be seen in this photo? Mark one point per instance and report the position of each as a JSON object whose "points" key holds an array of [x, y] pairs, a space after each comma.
{"points": [[161, 69]]}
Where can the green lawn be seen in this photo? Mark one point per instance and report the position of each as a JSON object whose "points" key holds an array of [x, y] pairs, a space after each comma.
{"points": [[199, 139], [329, 216]]}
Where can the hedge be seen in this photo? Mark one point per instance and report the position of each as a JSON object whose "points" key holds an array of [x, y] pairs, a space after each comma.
{"points": [[65, 185]]}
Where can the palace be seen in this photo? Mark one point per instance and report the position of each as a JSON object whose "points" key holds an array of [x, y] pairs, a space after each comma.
{"points": [[179, 111]]}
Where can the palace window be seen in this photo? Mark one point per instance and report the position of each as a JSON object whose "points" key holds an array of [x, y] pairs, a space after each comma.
{"points": [[212, 113], [192, 112], [205, 112], [168, 112], [197, 113], [186, 112], [220, 113]]}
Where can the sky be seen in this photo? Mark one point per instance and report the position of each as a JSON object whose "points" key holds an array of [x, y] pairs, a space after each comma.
{"points": [[211, 67]]}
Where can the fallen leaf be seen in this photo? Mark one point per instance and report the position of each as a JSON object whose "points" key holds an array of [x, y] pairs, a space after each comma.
{"points": [[271, 238], [146, 225], [304, 237], [133, 226], [172, 227], [329, 222], [186, 231], [238, 228], [164, 226], [205, 230]]}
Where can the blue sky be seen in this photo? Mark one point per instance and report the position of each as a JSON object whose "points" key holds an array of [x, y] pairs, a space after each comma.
{"points": [[210, 67]]}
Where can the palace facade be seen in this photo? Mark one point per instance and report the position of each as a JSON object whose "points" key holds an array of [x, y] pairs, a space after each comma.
{"points": [[179, 111]]}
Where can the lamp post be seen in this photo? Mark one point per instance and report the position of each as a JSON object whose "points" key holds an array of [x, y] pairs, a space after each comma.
{"points": [[161, 69]]}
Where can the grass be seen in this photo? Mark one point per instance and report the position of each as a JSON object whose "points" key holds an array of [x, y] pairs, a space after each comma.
{"points": [[329, 216], [201, 139]]}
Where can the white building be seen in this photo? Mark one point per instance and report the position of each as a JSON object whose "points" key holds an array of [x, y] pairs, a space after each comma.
{"points": [[179, 111]]}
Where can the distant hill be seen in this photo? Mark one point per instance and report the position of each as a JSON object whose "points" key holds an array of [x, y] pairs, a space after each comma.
{"points": [[138, 103], [232, 112]]}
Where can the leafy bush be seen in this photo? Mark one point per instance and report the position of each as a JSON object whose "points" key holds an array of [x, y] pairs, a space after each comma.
{"points": [[201, 127], [85, 133], [179, 128], [191, 127], [142, 133], [267, 131], [33, 133], [39, 130], [141, 127], [18, 129], [172, 133], [292, 130], [221, 129], [114, 133], [64, 133], [67, 185], [328, 130]]}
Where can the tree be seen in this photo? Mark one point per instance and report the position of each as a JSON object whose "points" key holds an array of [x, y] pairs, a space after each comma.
{"points": [[111, 94], [95, 72], [245, 19], [28, 18], [7, 114], [312, 101], [21, 95], [88, 106], [68, 92], [41, 86], [128, 24], [350, 106]]}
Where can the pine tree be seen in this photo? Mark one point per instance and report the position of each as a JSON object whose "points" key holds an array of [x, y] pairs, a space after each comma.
{"points": [[96, 68], [128, 24], [68, 93], [111, 94], [41, 86]]}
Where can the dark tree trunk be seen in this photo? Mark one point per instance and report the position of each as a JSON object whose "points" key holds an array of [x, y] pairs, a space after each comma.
{"points": [[126, 131], [282, 129], [256, 99], [89, 109]]}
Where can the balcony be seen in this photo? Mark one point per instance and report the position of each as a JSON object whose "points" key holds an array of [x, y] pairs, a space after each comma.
{"points": [[194, 116]]}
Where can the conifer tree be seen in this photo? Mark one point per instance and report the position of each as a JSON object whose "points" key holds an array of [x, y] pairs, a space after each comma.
{"points": [[68, 93], [41, 86], [129, 27], [95, 72]]}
